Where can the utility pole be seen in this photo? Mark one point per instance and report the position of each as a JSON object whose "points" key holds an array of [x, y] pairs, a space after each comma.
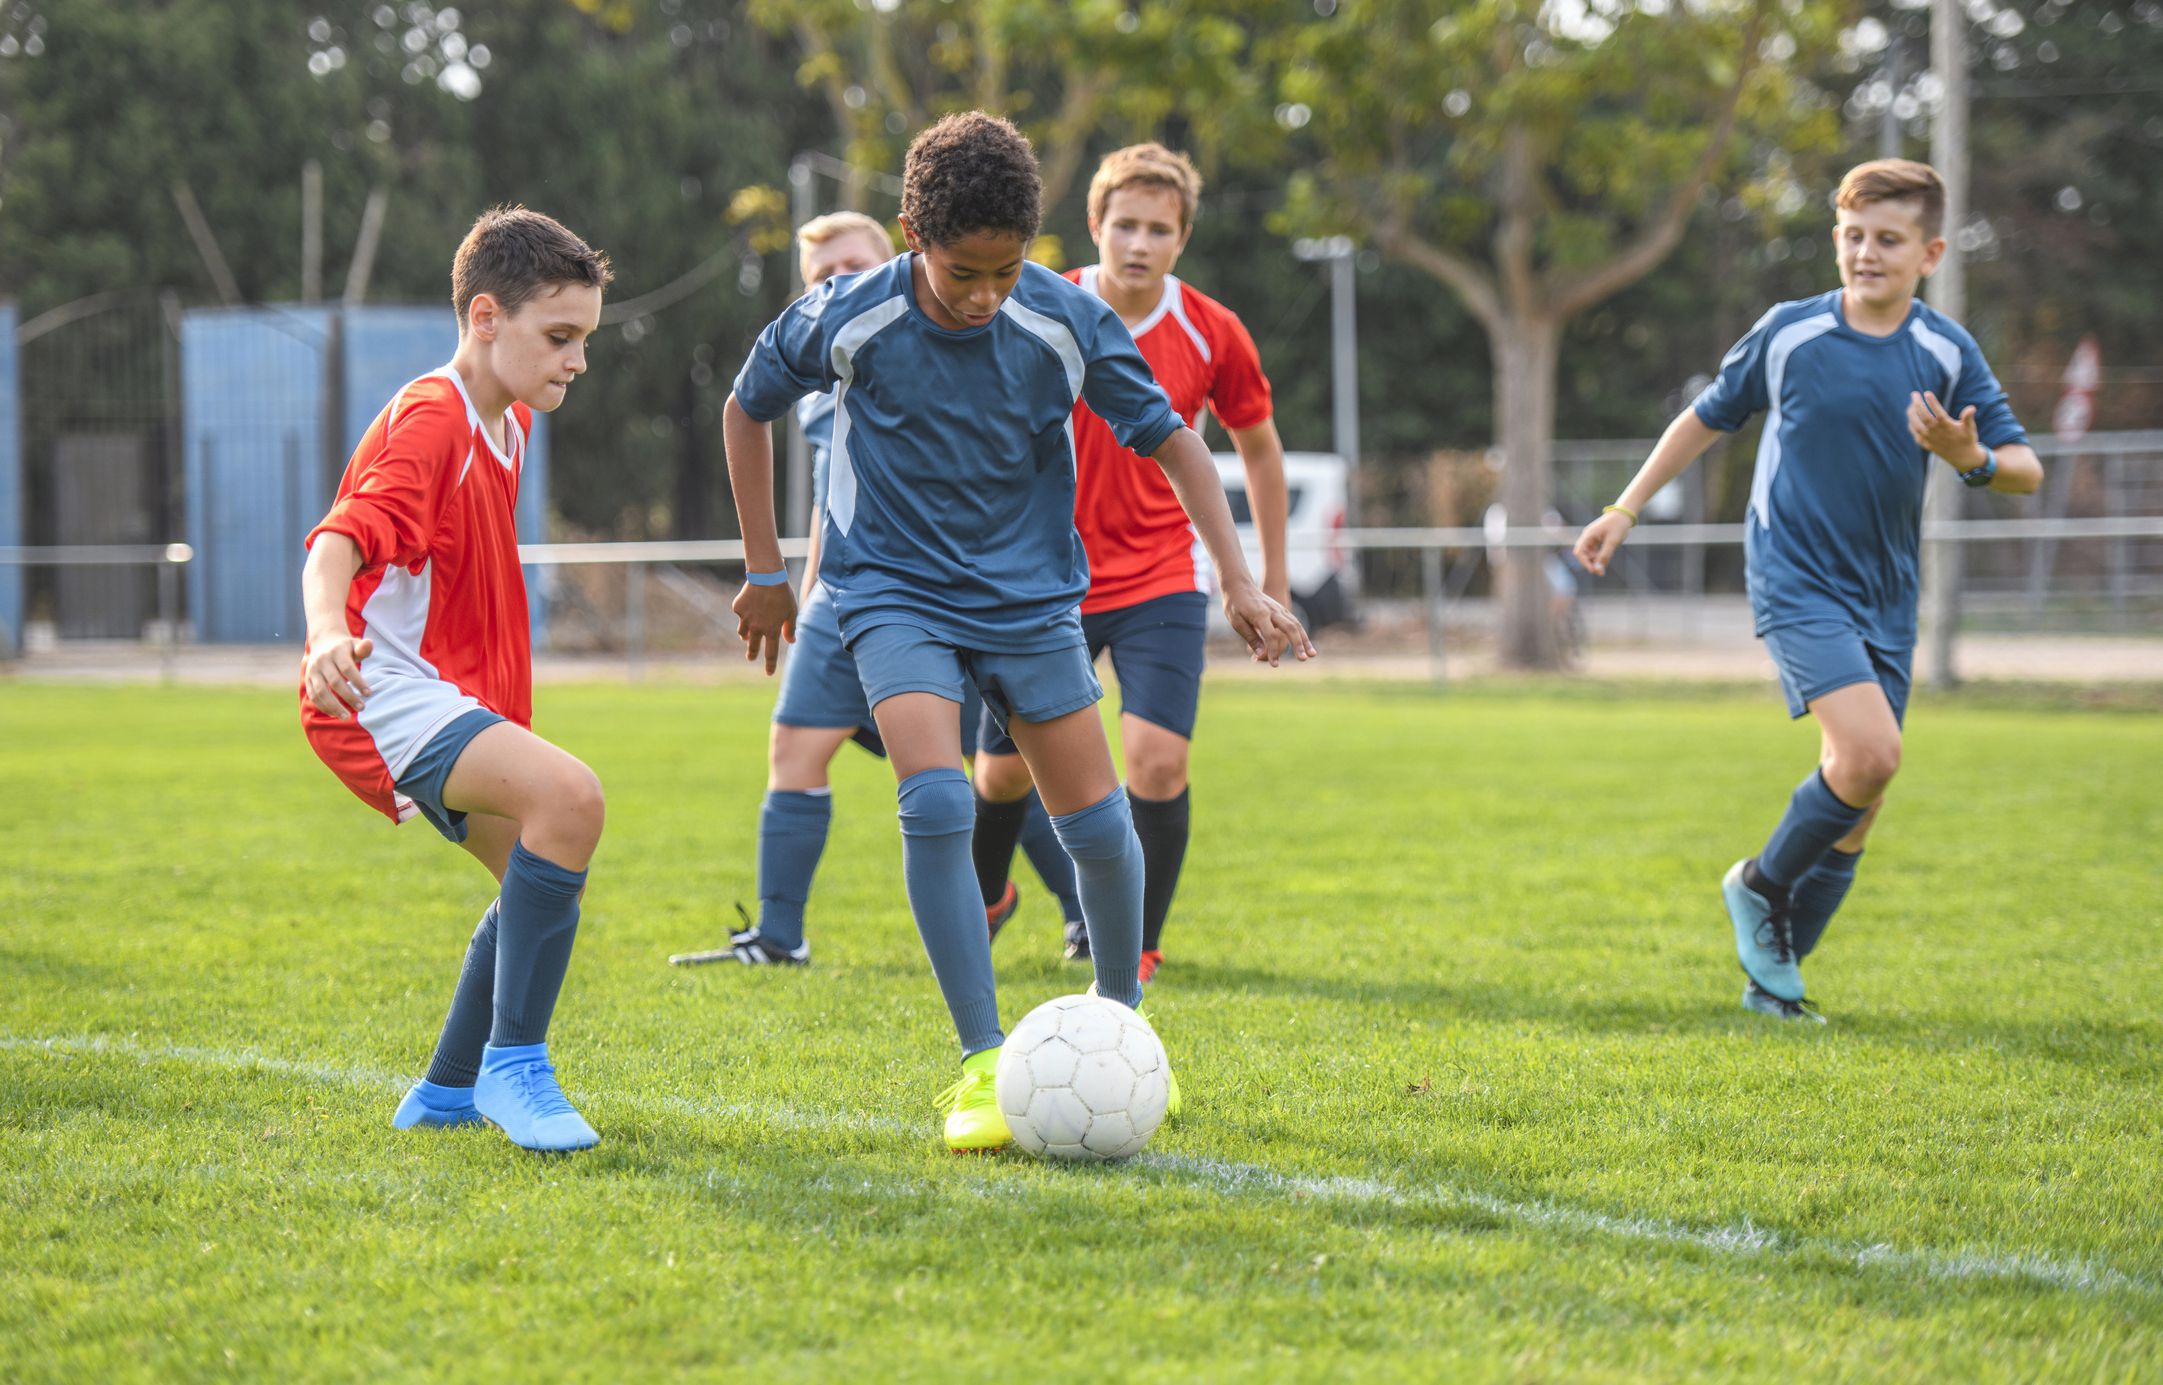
{"points": [[1948, 292], [311, 232], [1341, 256]]}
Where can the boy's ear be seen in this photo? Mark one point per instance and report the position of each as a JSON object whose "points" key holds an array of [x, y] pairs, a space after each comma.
{"points": [[1933, 256], [908, 233], [484, 315]]}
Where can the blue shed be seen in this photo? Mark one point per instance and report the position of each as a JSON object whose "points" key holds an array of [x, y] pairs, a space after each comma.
{"points": [[273, 401]]}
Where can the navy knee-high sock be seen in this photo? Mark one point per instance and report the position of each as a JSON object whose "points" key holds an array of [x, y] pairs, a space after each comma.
{"points": [[1053, 866], [1816, 818], [534, 932], [1162, 825], [793, 824], [465, 1029], [1817, 897], [938, 813], [991, 847], [1108, 870]]}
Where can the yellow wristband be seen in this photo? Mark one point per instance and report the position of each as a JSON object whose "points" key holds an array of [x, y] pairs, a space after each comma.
{"points": [[1620, 510]]}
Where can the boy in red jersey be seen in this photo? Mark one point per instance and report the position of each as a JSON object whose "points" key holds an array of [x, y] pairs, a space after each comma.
{"points": [[1147, 574], [417, 683]]}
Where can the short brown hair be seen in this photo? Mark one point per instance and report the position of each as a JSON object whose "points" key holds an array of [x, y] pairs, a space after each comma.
{"points": [[512, 254], [971, 172], [821, 229], [1897, 180], [1146, 165]]}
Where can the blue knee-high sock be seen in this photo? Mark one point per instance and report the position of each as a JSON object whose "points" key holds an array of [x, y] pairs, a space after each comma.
{"points": [[938, 812], [465, 1029], [1041, 844], [792, 835], [1816, 818], [1816, 897], [534, 931], [1108, 869]]}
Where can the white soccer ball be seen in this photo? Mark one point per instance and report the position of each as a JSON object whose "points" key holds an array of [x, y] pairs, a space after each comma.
{"points": [[1083, 1077]]}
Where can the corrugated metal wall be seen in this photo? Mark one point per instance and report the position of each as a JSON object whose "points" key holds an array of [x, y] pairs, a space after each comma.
{"points": [[273, 400]]}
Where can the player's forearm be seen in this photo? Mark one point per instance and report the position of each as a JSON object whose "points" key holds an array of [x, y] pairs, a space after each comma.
{"points": [[1683, 443], [750, 448], [1262, 453], [1193, 474], [333, 561], [2020, 471]]}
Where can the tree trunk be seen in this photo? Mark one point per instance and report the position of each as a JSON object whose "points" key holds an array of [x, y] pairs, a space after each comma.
{"points": [[1524, 350]]}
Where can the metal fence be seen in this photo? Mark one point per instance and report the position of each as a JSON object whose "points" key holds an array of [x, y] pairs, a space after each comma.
{"points": [[2085, 555]]}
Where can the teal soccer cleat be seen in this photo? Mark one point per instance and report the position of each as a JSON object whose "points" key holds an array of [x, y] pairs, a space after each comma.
{"points": [[518, 1094], [1763, 943], [432, 1107]]}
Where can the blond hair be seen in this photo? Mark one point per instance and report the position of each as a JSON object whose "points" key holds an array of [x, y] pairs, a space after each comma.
{"points": [[1896, 180], [1146, 165], [821, 229]]}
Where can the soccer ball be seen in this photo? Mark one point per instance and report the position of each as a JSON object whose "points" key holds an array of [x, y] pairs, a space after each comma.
{"points": [[1083, 1077]]}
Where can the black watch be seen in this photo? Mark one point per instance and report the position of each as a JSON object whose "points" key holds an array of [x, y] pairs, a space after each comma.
{"points": [[1981, 475]]}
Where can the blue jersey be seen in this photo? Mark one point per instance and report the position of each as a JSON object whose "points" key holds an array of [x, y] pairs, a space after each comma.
{"points": [[950, 487], [1836, 506], [815, 420]]}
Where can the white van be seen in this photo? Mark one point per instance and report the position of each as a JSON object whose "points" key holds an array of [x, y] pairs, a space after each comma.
{"points": [[1324, 579]]}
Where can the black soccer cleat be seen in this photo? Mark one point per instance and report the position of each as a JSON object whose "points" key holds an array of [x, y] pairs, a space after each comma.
{"points": [[996, 915], [1077, 941]]}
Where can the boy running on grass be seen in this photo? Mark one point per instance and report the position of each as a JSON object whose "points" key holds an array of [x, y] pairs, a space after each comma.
{"points": [[1861, 386], [1147, 583], [417, 683], [949, 551], [822, 706]]}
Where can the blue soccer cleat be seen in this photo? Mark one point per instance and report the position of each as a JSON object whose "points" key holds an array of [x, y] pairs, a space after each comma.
{"points": [[432, 1107], [518, 1094], [1761, 1001], [1763, 943]]}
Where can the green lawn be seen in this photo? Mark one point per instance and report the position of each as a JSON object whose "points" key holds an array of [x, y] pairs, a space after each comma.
{"points": [[1468, 1092]]}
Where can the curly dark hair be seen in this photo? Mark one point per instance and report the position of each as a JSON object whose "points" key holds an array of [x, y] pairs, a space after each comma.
{"points": [[971, 172]]}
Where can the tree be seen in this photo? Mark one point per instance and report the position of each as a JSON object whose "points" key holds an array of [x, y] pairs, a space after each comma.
{"points": [[1536, 160], [1071, 74]]}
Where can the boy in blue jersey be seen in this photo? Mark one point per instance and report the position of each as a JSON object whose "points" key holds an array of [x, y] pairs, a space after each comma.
{"points": [[1860, 387], [821, 706], [949, 551]]}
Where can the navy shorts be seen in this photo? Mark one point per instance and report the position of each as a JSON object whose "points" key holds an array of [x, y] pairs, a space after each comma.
{"points": [[1156, 650], [423, 780], [1820, 656], [895, 659]]}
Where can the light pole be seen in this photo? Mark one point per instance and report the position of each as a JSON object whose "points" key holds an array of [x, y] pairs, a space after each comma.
{"points": [[1340, 254]]}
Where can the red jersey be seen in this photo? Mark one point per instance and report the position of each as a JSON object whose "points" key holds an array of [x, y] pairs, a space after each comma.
{"points": [[1139, 541], [430, 501]]}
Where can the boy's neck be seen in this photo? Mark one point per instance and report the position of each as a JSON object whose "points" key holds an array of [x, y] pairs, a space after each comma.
{"points": [[1131, 305], [490, 399], [1874, 322]]}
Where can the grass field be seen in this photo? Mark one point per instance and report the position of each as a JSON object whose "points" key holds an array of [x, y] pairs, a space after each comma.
{"points": [[1468, 1092]]}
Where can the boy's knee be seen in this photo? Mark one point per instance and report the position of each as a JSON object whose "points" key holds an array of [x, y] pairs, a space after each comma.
{"points": [[937, 803], [1104, 831], [1158, 773], [576, 806], [1002, 778]]}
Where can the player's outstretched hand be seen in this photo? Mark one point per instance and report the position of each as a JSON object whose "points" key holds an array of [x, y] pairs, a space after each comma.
{"points": [[1954, 439], [1600, 539], [331, 673], [765, 616], [1266, 626]]}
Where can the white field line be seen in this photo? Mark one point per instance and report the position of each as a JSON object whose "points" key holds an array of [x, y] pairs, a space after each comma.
{"points": [[1247, 1180]]}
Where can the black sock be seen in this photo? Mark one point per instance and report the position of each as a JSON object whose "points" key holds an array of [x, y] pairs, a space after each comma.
{"points": [[1161, 823], [998, 828]]}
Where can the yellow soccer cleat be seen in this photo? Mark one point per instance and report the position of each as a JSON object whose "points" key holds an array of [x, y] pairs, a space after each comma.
{"points": [[974, 1124]]}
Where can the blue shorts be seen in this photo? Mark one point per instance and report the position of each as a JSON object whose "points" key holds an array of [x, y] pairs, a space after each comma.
{"points": [[895, 659], [423, 780], [1156, 650], [1820, 656], [819, 688]]}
